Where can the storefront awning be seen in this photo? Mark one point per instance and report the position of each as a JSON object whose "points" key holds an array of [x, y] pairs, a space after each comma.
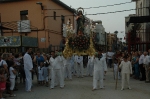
{"points": [[139, 19], [4, 28]]}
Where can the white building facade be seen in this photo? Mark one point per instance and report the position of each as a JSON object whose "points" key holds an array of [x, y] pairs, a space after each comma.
{"points": [[138, 26], [100, 32]]}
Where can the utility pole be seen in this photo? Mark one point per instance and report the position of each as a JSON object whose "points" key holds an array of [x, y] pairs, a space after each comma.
{"points": [[0, 26], [116, 32]]}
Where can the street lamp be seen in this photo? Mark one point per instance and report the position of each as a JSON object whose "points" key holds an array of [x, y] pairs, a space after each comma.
{"points": [[40, 3], [116, 32]]}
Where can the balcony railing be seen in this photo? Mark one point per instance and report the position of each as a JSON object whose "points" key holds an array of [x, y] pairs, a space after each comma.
{"points": [[134, 0]]}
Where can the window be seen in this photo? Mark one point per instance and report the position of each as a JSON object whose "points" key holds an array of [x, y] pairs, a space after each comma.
{"points": [[141, 13], [54, 15], [62, 18], [69, 21], [24, 15]]}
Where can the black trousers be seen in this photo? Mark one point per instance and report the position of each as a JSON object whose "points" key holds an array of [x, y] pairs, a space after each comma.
{"points": [[142, 70], [110, 62]]}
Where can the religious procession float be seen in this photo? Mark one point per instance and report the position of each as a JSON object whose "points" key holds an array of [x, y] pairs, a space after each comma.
{"points": [[81, 42]]}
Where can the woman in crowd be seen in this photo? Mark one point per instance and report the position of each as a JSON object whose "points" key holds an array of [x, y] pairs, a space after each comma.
{"points": [[129, 57], [136, 65], [3, 63]]}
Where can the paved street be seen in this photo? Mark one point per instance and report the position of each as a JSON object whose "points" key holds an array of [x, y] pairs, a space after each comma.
{"points": [[81, 88]]}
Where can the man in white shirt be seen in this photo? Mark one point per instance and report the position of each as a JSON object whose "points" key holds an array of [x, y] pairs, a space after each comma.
{"points": [[73, 69], [90, 66], [110, 55], [146, 62], [142, 69], [79, 65], [28, 67], [99, 68], [67, 71], [57, 75]]}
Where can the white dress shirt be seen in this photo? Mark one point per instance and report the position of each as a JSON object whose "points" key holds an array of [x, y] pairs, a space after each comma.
{"points": [[126, 67], [100, 64], [79, 59], [28, 64], [141, 59], [56, 63], [66, 61], [104, 55], [146, 60], [91, 60], [110, 55]]}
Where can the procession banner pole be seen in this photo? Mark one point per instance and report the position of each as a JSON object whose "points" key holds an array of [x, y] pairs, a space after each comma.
{"points": [[117, 79], [117, 75], [113, 68], [113, 73]]}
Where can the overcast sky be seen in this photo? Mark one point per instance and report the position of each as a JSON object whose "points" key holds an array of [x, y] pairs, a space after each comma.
{"points": [[111, 22]]}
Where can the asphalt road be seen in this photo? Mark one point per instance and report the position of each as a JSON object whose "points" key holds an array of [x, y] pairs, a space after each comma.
{"points": [[81, 88]]}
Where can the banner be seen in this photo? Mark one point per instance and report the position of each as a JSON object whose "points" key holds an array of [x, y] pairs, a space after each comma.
{"points": [[0, 30], [10, 41], [0, 26], [29, 41]]}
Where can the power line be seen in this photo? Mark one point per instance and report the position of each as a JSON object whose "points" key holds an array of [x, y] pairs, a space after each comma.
{"points": [[108, 5], [101, 13], [96, 7], [105, 13], [111, 12], [116, 11]]}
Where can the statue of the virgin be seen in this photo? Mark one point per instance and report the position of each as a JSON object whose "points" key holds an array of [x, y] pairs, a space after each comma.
{"points": [[80, 21]]}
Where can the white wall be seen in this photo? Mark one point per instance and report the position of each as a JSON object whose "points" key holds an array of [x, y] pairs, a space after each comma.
{"points": [[101, 30]]}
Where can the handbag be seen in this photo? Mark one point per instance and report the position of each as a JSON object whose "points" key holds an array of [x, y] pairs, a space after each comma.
{"points": [[2, 86]]}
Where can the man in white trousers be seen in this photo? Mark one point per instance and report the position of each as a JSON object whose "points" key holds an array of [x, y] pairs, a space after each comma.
{"points": [[146, 62], [126, 70], [56, 63], [79, 65], [99, 68], [90, 66], [104, 55], [63, 68], [67, 71], [73, 69], [28, 67]]}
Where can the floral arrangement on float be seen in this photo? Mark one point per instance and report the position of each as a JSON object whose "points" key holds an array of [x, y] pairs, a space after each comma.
{"points": [[82, 41]]}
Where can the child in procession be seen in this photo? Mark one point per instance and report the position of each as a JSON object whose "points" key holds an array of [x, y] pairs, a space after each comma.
{"points": [[46, 73], [40, 73], [116, 69], [126, 71], [12, 73], [2, 82]]}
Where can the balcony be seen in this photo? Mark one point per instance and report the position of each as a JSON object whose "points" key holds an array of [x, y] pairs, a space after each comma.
{"points": [[134, 0]]}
